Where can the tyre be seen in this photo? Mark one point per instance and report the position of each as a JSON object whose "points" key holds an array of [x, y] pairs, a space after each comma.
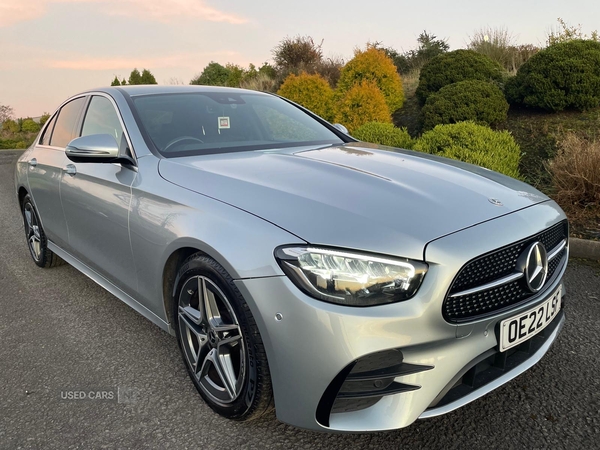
{"points": [[36, 238], [219, 341]]}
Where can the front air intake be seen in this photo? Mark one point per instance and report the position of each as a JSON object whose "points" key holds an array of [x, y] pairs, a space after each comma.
{"points": [[364, 382]]}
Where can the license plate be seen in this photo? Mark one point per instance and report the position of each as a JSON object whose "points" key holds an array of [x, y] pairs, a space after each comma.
{"points": [[518, 329]]}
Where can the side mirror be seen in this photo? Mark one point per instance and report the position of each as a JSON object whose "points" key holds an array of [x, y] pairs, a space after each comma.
{"points": [[93, 148], [341, 128]]}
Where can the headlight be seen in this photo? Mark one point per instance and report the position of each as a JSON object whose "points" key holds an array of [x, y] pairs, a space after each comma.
{"points": [[351, 279]]}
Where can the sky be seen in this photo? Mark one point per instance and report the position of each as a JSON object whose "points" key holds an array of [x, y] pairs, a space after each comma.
{"points": [[52, 49]]}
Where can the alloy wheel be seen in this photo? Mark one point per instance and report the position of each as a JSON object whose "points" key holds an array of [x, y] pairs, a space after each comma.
{"points": [[212, 339], [32, 230]]}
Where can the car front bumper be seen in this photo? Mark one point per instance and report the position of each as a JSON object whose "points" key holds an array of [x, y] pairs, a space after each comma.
{"points": [[311, 344]]}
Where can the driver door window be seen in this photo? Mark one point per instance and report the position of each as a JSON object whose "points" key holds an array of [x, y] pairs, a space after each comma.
{"points": [[101, 118]]}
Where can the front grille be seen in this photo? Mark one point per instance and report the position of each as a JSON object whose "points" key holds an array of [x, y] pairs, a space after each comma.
{"points": [[494, 266]]}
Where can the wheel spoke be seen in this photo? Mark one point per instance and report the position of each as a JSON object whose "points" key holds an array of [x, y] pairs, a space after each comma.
{"points": [[36, 232], [223, 371], [209, 305], [191, 313], [28, 219], [35, 246], [225, 328], [193, 332]]}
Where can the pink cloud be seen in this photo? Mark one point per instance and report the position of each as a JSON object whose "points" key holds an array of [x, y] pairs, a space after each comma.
{"points": [[183, 60], [14, 11], [19, 11]]}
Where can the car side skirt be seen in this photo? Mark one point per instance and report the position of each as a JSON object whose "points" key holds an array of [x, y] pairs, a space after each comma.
{"points": [[114, 290]]}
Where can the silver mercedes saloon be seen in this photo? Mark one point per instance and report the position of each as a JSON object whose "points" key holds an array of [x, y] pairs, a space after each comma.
{"points": [[350, 287]]}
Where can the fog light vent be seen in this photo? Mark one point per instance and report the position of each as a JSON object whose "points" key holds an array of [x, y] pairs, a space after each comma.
{"points": [[366, 381]]}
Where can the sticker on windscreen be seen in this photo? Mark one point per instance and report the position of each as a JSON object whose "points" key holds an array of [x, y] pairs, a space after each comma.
{"points": [[224, 123]]}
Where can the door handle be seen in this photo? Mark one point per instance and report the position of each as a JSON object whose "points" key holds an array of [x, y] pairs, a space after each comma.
{"points": [[32, 162], [70, 169]]}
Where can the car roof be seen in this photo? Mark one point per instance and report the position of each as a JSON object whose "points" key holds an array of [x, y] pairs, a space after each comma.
{"points": [[148, 89]]}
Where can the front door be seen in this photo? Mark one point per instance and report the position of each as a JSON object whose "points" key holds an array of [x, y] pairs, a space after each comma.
{"points": [[96, 198]]}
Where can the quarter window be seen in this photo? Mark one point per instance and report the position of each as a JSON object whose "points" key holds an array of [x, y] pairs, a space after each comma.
{"points": [[45, 139], [101, 118], [64, 130]]}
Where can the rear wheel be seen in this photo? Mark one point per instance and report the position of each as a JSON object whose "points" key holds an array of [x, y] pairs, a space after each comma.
{"points": [[36, 238], [220, 342]]}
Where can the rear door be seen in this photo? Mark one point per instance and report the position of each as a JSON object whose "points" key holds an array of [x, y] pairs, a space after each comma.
{"points": [[96, 198], [45, 166]]}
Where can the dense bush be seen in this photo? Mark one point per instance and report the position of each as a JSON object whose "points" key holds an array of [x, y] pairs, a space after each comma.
{"points": [[11, 126], [373, 65], [475, 144], [311, 91], [453, 67], [383, 134], [564, 75], [362, 103], [214, 74], [575, 173], [30, 126], [480, 101]]}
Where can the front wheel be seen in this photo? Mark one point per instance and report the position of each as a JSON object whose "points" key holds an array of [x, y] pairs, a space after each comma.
{"points": [[220, 342], [36, 238]]}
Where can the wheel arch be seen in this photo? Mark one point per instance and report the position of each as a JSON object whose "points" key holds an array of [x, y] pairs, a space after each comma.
{"points": [[170, 269], [21, 192]]}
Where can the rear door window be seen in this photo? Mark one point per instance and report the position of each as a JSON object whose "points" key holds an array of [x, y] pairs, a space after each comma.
{"points": [[68, 117]]}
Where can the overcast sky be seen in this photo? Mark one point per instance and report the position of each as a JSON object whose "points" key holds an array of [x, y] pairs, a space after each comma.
{"points": [[51, 49]]}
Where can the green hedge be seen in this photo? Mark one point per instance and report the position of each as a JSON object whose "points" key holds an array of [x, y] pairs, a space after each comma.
{"points": [[383, 134], [564, 75], [475, 144], [456, 66], [479, 101]]}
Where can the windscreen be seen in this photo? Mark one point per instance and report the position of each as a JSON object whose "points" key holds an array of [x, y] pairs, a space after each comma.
{"points": [[217, 122]]}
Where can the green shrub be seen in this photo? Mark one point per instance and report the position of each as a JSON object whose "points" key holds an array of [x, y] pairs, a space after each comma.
{"points": [[479, 101], [214, 74], [12, 126], [363, 103], [453, 67], [21, 145], [311, 91], [373, 65], [383, 134], [475, 144], [564, 75], [30, 126], [44, 118]]}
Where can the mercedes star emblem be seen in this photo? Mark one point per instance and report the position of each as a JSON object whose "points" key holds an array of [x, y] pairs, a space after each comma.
{"points": [[535, 266]]}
